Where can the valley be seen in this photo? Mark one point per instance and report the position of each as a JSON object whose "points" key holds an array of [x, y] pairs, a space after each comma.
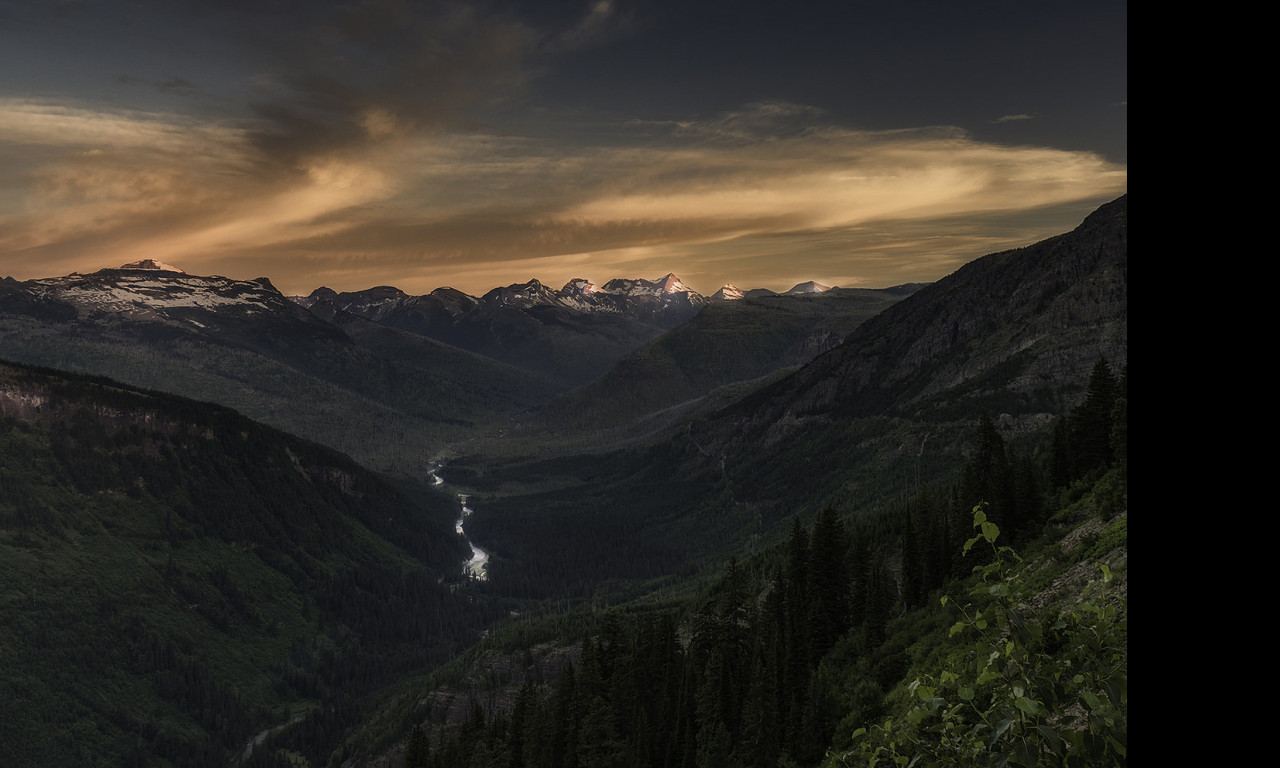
{"points": [[622, 525]]}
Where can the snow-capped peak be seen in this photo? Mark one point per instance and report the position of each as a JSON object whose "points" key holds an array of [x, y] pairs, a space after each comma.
{"points": [[152, 264], [663, 285], [809, 287], [672, 284], [579, 286]]}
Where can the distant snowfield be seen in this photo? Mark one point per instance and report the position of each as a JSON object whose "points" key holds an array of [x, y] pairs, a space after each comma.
{"points": [[127, 292]]}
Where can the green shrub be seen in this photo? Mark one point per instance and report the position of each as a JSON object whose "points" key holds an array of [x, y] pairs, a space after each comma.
{"points": [[1032, 691]]}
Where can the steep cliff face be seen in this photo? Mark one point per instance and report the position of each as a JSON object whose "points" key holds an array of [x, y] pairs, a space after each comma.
{"points": [[1014, 334], [1022, 320]]}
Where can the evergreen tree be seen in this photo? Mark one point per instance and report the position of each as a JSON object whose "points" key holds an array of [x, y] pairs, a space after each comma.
{"points": [[987, 477], [418, 753], [565, 718], [798, 638], [1092, 421], [829, 613]]}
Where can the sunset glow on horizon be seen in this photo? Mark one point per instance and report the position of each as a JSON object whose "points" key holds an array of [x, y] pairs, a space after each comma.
{"points": [[474, 145]]}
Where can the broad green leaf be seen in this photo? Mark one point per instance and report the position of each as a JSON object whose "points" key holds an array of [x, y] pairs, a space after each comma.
{"points": [[1050, 736], [1117, 746], [1000, 729], [1026, 752], [1114, 690]]}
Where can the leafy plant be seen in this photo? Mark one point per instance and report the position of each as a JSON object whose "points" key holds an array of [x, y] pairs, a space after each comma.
{"points": [[1031, 691]]}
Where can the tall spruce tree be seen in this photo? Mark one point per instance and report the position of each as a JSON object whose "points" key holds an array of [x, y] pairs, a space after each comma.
{"points": [[1091, 423], [829, 612], [418, 753], [988, 477]]}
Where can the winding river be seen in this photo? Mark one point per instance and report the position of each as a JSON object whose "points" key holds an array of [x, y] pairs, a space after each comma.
{"points": [[475, 567]]}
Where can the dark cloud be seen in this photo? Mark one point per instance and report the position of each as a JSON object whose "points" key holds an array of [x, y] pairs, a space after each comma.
{"points": [[173, 86], [345, 74]]}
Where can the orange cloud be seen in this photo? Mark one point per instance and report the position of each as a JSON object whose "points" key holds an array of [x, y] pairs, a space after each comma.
{"points": [[746, 198]]}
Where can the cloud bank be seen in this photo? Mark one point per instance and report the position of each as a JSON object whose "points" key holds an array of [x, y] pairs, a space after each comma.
{"points": [[392, 142]]}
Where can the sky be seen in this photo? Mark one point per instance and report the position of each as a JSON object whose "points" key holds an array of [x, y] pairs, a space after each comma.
{"points": [[480, 144]]}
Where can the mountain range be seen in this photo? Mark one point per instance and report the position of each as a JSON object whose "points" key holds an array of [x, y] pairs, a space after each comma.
{"points": [[570, 336], [346, 369], [226, 489]]}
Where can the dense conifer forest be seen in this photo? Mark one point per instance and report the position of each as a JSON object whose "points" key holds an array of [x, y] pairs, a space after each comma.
{"points": [[935, 632]]}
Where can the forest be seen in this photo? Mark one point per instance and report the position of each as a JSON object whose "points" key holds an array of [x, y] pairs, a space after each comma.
{"points": [[908, 637]]}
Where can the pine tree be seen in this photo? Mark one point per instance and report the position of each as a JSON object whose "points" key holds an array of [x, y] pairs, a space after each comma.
{"points": [[829, 583], [1092, 421], [418, 753], [987, 477], [798, 639]]}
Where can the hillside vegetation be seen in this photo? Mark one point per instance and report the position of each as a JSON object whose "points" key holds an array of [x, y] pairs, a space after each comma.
{"points": [[176, 577], [923, 632]]}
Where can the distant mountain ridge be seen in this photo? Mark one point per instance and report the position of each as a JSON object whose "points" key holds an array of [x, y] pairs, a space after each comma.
{"points": [[242, 344], [669, 291], [571, 335], [338, 367]]}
